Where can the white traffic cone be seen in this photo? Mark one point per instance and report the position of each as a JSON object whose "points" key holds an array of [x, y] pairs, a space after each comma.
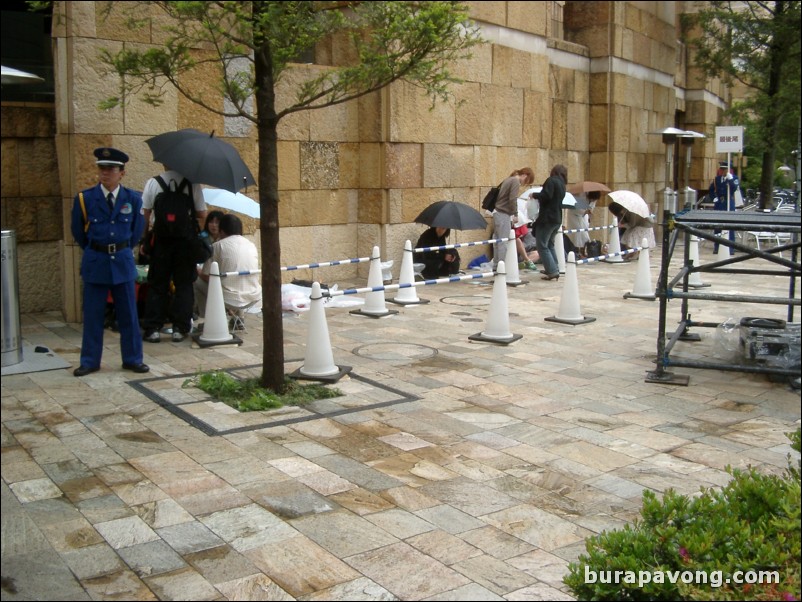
{"points": [[215, 323], [498, 320], [615, 245], [319, 360], [569, 312], [723, 252], [642, 289], [407, 295], [695, 278], [559, 250], [374, 300], [513, 276]]}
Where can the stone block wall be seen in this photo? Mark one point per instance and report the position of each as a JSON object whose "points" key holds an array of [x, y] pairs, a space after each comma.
{"points": [[31, 205], [354, 176]]}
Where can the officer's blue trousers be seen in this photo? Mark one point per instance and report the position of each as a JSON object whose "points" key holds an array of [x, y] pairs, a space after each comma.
{"points": [[124, 296]]}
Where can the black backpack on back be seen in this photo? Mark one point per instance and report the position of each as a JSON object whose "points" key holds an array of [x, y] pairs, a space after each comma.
{"points": [[174, 211], [489, 202]]}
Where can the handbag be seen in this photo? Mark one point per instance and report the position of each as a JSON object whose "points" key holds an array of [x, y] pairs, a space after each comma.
{"points": [[201, 247]]}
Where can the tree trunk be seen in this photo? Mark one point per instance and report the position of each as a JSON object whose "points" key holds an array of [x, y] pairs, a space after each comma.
{"points": [[273, 334], [776, 59]]}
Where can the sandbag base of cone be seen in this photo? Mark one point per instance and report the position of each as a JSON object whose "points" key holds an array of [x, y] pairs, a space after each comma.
{"points": [[198, 339], [519, 283], [327, 378], [667, 378], [398, 301], [480, 336], [574, 322], [643, 297], [362, 312]]}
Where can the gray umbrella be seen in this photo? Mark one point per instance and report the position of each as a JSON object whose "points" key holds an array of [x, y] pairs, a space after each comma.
{"points": [[202, 159], [451, 215]]}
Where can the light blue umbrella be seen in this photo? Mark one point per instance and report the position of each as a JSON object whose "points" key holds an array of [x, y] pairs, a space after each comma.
{"points": [[228, 200]]}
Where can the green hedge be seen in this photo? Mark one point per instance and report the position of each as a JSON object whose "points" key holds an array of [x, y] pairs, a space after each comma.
{"points": [[692, 548]]}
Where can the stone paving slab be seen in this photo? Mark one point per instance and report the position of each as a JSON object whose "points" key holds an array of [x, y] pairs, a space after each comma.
{"points": [[450, 470]]}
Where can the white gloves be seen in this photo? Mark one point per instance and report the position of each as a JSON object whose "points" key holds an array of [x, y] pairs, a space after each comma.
{"points": [[729, 176]]}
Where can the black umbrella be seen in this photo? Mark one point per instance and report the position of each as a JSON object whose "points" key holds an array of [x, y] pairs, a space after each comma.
{"points": [[452, 215], [202, 159]]}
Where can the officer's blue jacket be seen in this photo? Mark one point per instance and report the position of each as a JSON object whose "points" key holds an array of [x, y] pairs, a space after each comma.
{"points": [[120, 227]]}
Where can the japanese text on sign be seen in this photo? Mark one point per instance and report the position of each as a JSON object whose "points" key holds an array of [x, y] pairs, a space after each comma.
{"points": [[729, 139]]}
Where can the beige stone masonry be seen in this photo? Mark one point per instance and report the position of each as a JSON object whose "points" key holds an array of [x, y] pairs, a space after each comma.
{"points": [[371, 165], [92, 83], [404, 165]]}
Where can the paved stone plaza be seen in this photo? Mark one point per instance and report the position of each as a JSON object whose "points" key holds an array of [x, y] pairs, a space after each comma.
{"points": [[449, 470]]}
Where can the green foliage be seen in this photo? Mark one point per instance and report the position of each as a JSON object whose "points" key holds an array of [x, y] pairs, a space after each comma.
{"points": [[414, 41], [248, 395], [756, 43], [752, 524]]}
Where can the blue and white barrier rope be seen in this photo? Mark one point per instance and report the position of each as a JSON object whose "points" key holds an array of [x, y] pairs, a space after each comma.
{"points": [[588, 229], [324, 264], [394, 287], [609, 255], [461, 244], [243, 273]]}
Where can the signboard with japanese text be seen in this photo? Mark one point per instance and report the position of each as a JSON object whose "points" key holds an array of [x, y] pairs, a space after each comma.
{"points": [[730, 139]]}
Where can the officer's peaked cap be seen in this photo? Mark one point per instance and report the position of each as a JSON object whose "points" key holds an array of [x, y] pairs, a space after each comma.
{"points": [[110, 156]]}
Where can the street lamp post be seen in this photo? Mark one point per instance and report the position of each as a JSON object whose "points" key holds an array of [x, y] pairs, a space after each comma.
{"points": [[669, 137], [688, 194]]}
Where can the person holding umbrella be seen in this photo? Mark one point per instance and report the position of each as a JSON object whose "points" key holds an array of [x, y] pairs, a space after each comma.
{"points": [[634, 221], [506, 210], [440, 262], [171, 260]]}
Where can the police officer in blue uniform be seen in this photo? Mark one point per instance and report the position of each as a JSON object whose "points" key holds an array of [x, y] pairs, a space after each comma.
{"points": [[722, 192], [107, 225]]}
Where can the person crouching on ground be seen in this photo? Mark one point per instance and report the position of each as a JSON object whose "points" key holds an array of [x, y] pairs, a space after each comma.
{"points": [[233, 253], [442, 262]]}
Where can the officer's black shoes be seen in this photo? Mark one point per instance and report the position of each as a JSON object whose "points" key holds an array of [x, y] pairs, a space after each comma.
{"points": [[152, 337], [84, 370], [138, 368]]}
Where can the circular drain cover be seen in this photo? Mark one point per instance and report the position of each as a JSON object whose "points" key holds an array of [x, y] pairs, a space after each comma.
{"points": [[473, 300], [395, 351]]}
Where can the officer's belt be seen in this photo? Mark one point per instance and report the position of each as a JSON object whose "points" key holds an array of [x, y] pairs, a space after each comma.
{"points": [[112, 248]]}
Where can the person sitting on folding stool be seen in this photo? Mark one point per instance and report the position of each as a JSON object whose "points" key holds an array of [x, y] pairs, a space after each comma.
{"points": [[233, 253]]}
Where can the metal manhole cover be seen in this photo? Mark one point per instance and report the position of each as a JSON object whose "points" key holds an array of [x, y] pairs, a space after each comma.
{"points": [[395, 351], [473, 300]]}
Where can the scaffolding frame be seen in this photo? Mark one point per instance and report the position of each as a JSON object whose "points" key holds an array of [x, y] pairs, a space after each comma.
{"points": [[707, 225]]}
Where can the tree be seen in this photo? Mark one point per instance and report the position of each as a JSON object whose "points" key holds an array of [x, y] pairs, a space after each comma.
{"points": [[756, 43], [389, 41]]}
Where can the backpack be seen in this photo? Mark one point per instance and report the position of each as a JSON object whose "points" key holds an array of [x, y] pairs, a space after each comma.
{"points": [[593, 248], [489, 202], [174, 211]]}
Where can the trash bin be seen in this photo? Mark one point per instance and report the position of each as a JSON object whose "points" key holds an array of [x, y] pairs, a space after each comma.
{"points": [[12, 341]]}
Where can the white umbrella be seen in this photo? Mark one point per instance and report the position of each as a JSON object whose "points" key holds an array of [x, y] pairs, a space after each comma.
{"points": [[15, 76], [569, 201], [632, 202], [228, 200]]}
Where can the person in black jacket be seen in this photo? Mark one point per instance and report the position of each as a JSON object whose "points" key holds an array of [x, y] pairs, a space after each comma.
{"points": [[443, 262], [549, 219]]}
